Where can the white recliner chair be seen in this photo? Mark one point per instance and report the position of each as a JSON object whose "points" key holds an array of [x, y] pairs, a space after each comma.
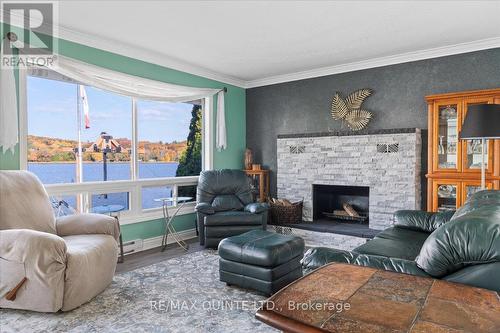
{"points": [[49, 264]]}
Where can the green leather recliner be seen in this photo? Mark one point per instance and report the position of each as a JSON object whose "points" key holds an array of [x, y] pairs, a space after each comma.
{"points": [[225, 206], [461, 246]]}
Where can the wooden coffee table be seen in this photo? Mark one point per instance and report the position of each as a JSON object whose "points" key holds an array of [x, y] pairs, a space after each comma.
{"points": [[349, 298]]}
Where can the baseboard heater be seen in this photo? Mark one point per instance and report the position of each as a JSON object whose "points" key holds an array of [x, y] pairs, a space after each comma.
{"points": [[132, 246]]}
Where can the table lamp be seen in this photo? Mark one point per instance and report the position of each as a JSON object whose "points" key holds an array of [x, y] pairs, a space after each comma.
{"points": [[482, 121]]}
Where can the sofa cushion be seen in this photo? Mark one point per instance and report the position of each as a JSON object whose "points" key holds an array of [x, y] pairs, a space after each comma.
{"points": [[233, 218], [473, 238], [212, 183], [395, 243], [319, 256], [91, 263], [420, 220], [261, 248], [225, 202], [477, 200]]}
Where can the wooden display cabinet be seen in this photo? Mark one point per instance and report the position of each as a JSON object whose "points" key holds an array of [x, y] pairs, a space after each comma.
{"points": [[455, 165]]}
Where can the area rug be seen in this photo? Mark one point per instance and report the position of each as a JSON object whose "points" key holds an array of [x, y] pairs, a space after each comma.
{"points": [[178, 295]]}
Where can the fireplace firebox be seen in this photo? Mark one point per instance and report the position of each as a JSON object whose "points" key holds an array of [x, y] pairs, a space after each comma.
{"points": [[330, 198]]}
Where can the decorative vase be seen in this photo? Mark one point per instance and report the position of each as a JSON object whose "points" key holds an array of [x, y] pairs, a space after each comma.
{"points": [[248, 159]]}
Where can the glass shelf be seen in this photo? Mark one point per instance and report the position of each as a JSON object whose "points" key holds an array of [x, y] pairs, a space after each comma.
{"points": [[447, 136], [473, 154], [447, 197]]}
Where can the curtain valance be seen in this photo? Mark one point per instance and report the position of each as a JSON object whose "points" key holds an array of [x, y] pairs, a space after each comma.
{"points": [[109, 80]]}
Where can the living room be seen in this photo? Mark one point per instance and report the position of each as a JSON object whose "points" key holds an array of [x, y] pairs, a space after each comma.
{"points": [[250, 166]]}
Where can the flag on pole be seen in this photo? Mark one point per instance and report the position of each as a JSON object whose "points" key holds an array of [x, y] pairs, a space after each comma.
{"points": [[85, 105]]}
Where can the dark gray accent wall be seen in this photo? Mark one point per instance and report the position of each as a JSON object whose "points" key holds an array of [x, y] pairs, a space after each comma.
{"points": [[398, 100]]}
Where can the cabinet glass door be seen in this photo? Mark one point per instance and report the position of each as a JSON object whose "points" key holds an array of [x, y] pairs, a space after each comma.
{"points": [[447, 136], [472, 149], [446, 196], [469, 188]]}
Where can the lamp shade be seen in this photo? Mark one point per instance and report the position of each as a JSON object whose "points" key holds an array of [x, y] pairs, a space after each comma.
{"points": [[482, 121]]}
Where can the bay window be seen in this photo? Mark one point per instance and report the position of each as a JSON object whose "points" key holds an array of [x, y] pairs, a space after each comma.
{"points": [[132, 151]]}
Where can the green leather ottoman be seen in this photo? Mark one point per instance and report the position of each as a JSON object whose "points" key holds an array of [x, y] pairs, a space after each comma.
{"points": [[260, 260]]}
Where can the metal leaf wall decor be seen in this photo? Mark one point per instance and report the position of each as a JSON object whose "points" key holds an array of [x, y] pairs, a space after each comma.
{"points": [[349, 109]]}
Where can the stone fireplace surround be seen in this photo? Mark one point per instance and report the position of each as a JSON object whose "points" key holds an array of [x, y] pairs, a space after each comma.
{"points": [[387, 161]]}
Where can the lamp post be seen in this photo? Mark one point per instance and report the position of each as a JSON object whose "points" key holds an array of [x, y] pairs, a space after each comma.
{"points": [[106, 144], [482, 121]]}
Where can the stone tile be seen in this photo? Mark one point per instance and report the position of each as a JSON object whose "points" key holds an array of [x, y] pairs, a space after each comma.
{"points": [[461, 316], [304, 307], [398, 287], [477, 297], [343, 325], [343, 282], [427, 327], [381, 312]]}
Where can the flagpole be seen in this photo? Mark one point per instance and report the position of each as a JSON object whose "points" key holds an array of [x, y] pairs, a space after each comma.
{"points": [[79, 159], [79, 165]]}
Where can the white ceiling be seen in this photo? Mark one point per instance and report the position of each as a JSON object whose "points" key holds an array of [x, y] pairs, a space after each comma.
{"points": [[251, 43]]}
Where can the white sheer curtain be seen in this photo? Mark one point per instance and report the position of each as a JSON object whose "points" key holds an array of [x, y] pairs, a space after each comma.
{"points": [[9, 125], [113, 81]]}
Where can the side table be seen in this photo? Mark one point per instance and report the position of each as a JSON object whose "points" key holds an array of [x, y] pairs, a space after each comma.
{"points": [[260, 179], [113, 211], [169, 227]]}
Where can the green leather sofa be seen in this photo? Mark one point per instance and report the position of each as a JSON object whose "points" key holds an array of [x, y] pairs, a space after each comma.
{"points": [[225, 206], [461, 246]]}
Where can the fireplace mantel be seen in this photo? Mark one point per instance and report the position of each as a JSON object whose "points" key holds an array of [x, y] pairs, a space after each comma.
{"points": [[349, 133]]}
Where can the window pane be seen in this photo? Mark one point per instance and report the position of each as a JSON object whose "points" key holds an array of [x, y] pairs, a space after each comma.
{"points": [[64, 205], [107, 140], [52, 129], [169, 136], [109, 202], [149, 194], [187, 191]]}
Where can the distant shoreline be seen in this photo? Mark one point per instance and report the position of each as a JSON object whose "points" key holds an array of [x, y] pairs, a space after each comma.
{"points": [[90, 162]]}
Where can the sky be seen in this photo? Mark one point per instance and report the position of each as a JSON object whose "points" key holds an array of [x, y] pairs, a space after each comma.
{"points": [[52, 112]]}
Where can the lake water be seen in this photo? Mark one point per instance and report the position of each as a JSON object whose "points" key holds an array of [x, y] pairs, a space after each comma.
{"points": [[52, 173]]}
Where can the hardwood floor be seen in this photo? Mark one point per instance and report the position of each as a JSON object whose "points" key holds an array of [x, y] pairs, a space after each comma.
{"points": [[152, 256]]}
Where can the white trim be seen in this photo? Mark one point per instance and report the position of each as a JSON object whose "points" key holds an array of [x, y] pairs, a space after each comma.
{"points": [[135, 213], [119, 184], [137, 52], [151, 243], [134, 146], [147, 55], [477, 45], [162, 60], [151, 56]]}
